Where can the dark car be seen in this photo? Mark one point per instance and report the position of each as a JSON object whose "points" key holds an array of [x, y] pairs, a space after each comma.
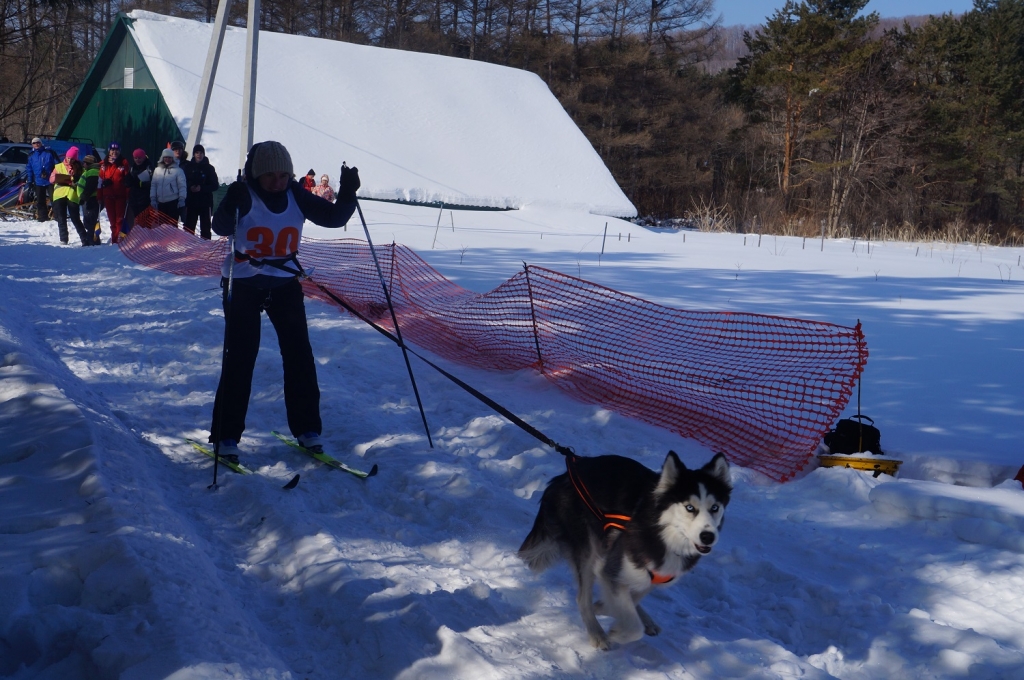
{"points": [[13, 157]]}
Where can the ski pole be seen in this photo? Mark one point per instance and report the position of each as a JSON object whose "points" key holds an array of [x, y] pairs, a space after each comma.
{"points": [[394, 320], [222, 388]]}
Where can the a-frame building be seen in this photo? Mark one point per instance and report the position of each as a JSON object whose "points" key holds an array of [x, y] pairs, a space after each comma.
{"points": [[119, 101], [421, 128]]}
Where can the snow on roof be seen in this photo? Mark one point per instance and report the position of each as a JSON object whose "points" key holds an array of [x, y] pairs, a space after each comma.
{"points": [[419, 127]]}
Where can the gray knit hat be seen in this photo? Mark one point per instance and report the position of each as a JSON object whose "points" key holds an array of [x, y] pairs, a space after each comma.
{"points": [[271, 157]]}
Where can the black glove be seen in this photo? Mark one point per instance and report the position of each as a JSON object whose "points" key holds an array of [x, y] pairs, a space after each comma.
{"points": [[349, 183], [236, 195]]}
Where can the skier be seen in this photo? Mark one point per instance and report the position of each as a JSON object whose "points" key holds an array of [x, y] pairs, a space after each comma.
{"points": [[270, 209]]}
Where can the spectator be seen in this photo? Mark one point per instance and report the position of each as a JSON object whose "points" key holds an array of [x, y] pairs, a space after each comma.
{"points": [[65, 197], [202, 181], [167, 191], [180, 155], [38, 169], [88, 185], [182, 161], [324, 190], [309, 181], [266, 213], [140, 176], [113, 192]]}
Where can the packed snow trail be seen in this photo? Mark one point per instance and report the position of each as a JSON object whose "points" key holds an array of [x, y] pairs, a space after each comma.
{"points": [[128, 566]]}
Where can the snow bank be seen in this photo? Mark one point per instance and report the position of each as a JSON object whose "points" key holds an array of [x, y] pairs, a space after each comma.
{"points": [[87, 589], [993, 517], [419, 127]]}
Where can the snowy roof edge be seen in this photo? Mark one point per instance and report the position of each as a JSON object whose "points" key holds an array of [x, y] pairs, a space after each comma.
{"points": [[562, 192]]}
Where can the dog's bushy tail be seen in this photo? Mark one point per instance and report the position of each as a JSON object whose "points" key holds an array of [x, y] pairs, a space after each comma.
{"points": [[539, 550]]}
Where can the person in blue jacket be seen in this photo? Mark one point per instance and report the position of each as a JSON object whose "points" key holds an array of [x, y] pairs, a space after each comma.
{"points": [[266, 212], [38, 168]]}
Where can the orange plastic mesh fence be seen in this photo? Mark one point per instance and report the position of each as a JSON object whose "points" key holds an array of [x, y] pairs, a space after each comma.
{"points": [[761, 389]]}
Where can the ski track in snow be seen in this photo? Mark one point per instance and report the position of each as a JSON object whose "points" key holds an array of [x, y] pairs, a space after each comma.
{"points": [[116, 560]]}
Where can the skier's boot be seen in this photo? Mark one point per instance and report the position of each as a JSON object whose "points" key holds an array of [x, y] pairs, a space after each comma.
{"points": [[229, 450], [311, 442]]}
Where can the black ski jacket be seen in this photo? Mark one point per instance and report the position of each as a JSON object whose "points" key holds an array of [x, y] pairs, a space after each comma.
{"points": [[203, 175]]}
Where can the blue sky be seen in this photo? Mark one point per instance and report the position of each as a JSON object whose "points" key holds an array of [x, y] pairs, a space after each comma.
{"points": [[755, 11]]}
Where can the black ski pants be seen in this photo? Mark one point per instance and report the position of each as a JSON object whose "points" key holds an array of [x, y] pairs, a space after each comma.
{"points": [[64, 208], [286, 309], [201, 214], [42, 210], [134, 208], [171, 209], [91, 219]]}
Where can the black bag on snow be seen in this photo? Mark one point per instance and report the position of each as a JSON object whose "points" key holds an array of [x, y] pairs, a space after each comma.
{"points": [[853, 435]]}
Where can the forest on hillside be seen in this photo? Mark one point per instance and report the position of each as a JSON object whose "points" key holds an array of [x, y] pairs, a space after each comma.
{"points": [[823, 119]]}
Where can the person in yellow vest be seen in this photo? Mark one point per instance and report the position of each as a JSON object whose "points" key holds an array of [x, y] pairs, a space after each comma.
{"points": [[65, 197]]}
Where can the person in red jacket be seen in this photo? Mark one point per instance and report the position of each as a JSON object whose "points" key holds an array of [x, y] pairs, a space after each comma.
{"points": [[309, 181], [113, 193]]}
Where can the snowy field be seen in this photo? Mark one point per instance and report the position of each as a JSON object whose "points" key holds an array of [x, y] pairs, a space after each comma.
{"points": [[117, 561]]}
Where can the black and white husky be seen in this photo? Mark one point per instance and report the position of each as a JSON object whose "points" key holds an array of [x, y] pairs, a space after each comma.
{"points": [[654, 528]]}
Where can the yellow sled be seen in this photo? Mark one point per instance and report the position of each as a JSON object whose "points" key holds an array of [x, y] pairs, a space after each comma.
{"points": [[875, 464]]}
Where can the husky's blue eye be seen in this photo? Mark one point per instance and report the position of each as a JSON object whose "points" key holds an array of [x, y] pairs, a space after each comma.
{"points": [[714, 508], [690, 508]]}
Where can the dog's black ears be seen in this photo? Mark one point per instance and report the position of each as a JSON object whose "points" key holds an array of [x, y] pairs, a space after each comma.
{"points": [[718, 467], [670, 470]]}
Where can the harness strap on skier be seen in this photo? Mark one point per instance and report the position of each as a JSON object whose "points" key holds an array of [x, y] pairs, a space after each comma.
{"points": [[611, 521], [275, 263]]}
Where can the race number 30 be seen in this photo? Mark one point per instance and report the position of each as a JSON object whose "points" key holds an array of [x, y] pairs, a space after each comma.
{"points": [[265, 245]]}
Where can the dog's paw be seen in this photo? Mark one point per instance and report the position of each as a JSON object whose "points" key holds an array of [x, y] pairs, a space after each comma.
{"points": [[601, 642], [652, 628]]}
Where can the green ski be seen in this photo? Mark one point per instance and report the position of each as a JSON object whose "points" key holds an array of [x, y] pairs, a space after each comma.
{"points": [[237, 467], [325, 459]]}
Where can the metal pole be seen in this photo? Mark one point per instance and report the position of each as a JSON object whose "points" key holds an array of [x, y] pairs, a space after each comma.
{"points": [[252, 48], [438, 225], [219, 435], [533, 316], [603, 239], [860, 421], [195, 131], [394, 320]]}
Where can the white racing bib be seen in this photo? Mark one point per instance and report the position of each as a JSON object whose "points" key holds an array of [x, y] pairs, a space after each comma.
{"points": [[263, 235]]}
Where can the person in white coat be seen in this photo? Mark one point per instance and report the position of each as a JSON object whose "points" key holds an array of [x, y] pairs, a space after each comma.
{"points": [[168, 189]]}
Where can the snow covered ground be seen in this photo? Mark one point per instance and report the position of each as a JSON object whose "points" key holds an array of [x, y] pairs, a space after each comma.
{"points": [[117, 561]]}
